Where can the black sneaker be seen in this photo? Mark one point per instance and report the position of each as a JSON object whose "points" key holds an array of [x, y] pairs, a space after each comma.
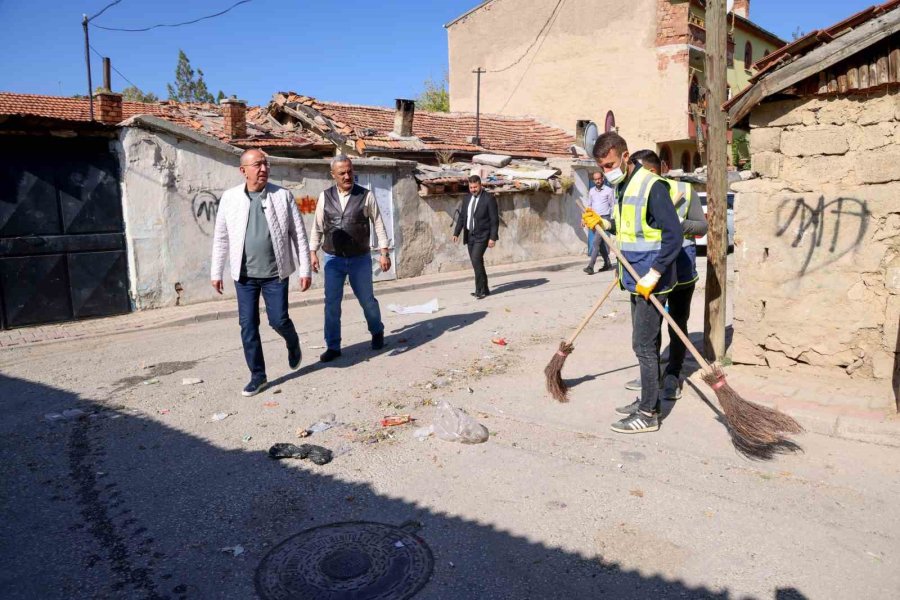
{"points": [[256, 385], [588, 270], [634, 385], [636, 423], [629, 409], [606, 267], [378, 341], [671, 388], [329, 355], [294, 357]]}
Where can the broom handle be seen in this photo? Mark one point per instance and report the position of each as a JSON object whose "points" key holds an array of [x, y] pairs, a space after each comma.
{"points": [[656, 303], [591, 314]]}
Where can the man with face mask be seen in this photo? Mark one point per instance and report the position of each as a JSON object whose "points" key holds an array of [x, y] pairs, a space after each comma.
{"points": [[649, 236]]}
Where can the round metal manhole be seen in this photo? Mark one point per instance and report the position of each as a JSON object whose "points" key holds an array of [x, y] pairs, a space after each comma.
{"points": [[358, 560]]}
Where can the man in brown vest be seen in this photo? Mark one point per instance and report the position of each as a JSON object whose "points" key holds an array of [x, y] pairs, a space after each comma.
{"points": [[342, 229]]}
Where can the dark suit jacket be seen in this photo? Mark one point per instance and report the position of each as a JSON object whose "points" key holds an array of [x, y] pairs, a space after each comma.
{"points": [[487, 219]]}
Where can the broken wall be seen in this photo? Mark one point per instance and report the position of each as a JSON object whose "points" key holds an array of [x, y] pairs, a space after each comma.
{"points": [[818, 238]]}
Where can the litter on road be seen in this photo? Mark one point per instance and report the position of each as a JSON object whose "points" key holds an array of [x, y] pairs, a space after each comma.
{"points": [[394, 420], [454, 425], [233, 550], [191, 381], [220, 416], [419, 309], [317, 454]]}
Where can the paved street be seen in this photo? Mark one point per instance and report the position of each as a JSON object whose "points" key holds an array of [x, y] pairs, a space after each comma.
{"points": [[138, 499]]}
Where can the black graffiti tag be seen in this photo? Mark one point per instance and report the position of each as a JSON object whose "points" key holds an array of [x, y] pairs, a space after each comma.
{"points": [[204, 207], [810, 223]]}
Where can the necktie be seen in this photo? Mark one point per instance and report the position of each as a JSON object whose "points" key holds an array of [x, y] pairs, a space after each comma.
{"points": [[473, 204]]}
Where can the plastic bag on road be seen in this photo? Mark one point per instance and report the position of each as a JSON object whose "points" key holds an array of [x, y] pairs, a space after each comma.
{"points": [[453, 425]]}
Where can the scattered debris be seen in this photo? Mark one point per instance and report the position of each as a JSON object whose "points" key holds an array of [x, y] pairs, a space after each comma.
{"points": [[499, 341], [610, 315], [270, 404], [400, 544], [163, 411], [394, 420], [234, 550], [317, 347], [191, 381], [220, 416], [420, 309], [246, 438], [70, 414], [423, 432], [302, 432], [471, 391], [276, 391], [150, 381], [454, 425], [317, 454], [637, 493]]}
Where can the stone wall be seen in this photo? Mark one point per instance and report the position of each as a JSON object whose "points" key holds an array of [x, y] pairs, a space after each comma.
{"points": [[818, 237]]}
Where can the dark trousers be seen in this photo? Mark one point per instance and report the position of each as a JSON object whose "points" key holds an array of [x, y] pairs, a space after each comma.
{"points": [[680, 311], [598, 246], [646, 338], [275, 294], [476, 255]]}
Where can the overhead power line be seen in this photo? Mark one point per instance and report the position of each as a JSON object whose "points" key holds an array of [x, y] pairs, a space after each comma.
{"points": [[531, 45], [118, 72], [218, 14], [110, 5]]}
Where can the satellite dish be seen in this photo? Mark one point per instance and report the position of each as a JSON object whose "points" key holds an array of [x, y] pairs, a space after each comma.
{"points": [[591, 133]]}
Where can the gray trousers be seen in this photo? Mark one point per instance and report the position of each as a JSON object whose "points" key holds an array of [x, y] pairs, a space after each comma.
{"points": [[599, 247]]}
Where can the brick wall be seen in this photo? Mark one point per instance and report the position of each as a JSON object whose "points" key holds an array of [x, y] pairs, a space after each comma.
{"points": [[672, 22], [109, 108], [235, 113]]}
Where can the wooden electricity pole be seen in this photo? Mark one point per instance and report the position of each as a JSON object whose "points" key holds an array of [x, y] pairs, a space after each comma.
{"points": [[717, 181]]}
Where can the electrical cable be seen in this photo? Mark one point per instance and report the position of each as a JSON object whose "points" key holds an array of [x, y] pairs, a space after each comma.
{"points": [[531, 45], [103, 10], [218, 14], [118, 72]]}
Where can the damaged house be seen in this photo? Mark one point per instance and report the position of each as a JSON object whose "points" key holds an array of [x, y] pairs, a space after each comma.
{"points": [[115, 214]]}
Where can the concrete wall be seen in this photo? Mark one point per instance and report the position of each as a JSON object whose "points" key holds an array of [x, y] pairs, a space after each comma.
{"points": [[171, 188], [533, 226], [818, 237], [598, 55]]}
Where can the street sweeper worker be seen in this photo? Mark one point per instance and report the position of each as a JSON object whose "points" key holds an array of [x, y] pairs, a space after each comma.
{"points": [[693, 224], [649, 236]]}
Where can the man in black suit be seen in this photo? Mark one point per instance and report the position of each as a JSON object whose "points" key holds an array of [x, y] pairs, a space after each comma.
{"points": [[481, 221]]}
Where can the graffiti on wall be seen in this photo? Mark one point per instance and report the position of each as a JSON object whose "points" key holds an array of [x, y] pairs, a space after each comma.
{"points": [[204, 207], [809, 225]]}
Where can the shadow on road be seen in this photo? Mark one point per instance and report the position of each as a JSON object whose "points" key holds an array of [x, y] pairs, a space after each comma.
{"points": [[120, 505], [397, 341], [522, 284]]}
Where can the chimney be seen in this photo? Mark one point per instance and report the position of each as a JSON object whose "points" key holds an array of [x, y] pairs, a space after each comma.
{"points": [[235, 113], [110, 106], [403, 118], [741, 8]]}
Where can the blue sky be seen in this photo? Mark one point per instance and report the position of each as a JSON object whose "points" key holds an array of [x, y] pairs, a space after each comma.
{"points": [[367, 52]]}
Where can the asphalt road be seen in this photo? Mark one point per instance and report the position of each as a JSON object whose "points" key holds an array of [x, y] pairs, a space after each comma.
{"points": [[138, 499]]}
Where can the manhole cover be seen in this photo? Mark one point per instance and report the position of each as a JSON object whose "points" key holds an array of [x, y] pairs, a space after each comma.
{"points": [[358, 560]]}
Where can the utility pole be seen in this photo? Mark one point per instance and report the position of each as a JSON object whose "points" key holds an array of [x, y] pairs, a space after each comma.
{"points": [[87, 58], [478, 72], [717, 182]]}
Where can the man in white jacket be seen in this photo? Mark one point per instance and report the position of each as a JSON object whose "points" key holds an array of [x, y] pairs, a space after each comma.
{"points": [[260, 231]]}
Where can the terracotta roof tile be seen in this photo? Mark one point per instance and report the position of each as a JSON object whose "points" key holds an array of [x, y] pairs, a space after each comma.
{"points": [[517, 136]]}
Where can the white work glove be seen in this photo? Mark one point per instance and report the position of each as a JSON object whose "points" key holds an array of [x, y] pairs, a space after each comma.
{"points": [[647, 283]]}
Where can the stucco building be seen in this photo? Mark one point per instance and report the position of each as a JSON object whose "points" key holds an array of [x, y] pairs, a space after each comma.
{"points": [[637, 66], [818, 234]]}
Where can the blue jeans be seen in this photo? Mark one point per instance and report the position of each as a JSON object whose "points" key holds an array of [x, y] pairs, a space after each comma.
{"points": [[590, 241], [359, 270], [275, 294]]}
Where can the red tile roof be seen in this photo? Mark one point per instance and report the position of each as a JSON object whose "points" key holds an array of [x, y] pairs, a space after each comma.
{"points": [[371, 125], [67, 109], [203, 118]]}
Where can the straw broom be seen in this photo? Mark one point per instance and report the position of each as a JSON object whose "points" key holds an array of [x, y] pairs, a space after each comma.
{"points": [[755, 430], [553, 371]]}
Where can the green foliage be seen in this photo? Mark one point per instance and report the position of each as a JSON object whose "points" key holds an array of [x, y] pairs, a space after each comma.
{"points": [[220, 96], [435, 97], [740, 150], [797, 33], [134, 94], [187, 88]]}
